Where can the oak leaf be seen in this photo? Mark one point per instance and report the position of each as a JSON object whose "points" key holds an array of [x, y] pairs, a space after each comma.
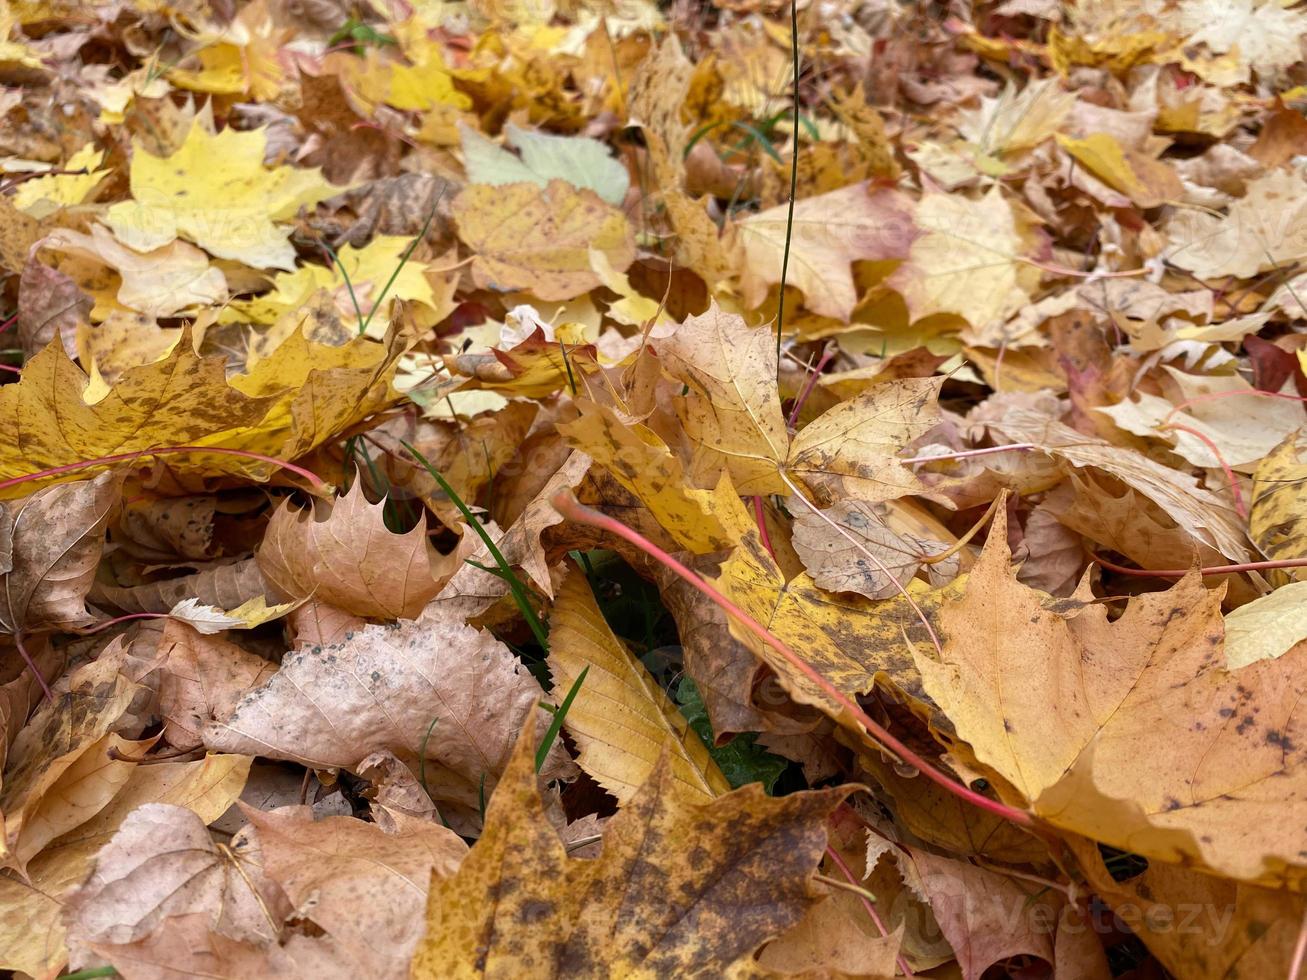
{"points": [[520, 906]]}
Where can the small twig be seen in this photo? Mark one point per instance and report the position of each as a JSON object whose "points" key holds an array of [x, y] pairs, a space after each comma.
{"points": [[1249, 566], [114, 753], [1230, 478], [827, 355], [961, 542], [868, 902]]}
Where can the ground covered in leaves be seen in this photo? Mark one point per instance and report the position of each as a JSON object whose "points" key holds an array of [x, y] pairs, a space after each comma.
{"points": [[455, 519]]}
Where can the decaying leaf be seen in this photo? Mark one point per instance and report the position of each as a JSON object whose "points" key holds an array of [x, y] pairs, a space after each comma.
{"points": [[351, 560], [50, 545], [446, 699], [519, 904], [539, 238]]}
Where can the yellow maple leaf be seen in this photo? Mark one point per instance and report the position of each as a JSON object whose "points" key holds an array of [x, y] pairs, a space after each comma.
{"points": [[366, 272], [290, 402], [540, 238], [216, 192], [42, 196]]}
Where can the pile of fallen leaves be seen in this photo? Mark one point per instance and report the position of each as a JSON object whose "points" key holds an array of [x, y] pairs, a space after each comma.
{"points": [[455, 519]]}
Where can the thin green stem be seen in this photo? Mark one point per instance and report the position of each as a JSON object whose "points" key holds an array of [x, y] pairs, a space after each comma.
{"points": [[505, 570], [794, 180]]}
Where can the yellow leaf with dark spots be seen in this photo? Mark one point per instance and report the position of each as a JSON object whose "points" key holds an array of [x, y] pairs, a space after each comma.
{"points": [[682, 888]]}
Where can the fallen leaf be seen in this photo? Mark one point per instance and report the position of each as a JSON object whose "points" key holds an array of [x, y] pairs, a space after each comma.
{"points": [[1205, 517], [161, 282], [444, 698], [1262, 230], [584, 163], [50, 544], [967, 260], [1275, 518], [732, 415], [642, 906], [162, 863], [215, 191], [202, 680], [351, 560], [621, 720], [700, 520], [836, 562], [367, 890], [1267, 627], [539, 238], [828, 233], [1133, 732], [32, 933]]}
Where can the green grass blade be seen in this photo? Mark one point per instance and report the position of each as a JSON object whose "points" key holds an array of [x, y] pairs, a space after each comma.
{"points": [[403, 261], [551, 733], [505, 571]]}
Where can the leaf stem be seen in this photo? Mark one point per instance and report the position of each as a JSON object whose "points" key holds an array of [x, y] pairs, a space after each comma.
{"points": [[569, 507], [31, 665], [319, 485]]}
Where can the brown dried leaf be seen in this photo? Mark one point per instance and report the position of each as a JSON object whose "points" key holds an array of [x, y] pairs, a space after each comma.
{"points": [[50, 544], [1132, 732], [203, 678], [31, 912], [49, 748], [838, 565], [365, 888], [351, 560], [162, 863], [435, 686]]}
